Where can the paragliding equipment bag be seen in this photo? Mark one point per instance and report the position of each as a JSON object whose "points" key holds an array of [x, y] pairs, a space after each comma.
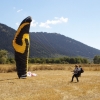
{"points": [[82, 71]]}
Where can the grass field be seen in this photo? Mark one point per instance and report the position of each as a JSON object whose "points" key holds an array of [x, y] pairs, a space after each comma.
{"points": [[51, 85]]}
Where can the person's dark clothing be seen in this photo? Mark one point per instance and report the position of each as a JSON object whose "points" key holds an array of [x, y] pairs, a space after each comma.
{"points": [[75, 74], [75, 77], [80, 70]]}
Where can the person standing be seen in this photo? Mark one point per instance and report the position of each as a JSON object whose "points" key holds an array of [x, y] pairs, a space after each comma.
{"points": [[75, 73]]}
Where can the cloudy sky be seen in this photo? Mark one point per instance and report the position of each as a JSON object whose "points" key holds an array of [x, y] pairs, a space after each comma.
{"points": [[77, 19]]}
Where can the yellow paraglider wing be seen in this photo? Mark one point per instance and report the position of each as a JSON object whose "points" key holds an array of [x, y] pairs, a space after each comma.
{"points": [[21, 44]]}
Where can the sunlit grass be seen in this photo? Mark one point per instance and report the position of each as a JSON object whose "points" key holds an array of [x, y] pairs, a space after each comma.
{"points": [[5, 68], [50, 85], [33, 67]]}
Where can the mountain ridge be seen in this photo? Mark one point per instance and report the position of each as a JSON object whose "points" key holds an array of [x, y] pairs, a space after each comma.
{"points": [[43, 44]]}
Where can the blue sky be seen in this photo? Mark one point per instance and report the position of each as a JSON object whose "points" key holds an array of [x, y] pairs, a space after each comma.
{"points": [[77, 19]]}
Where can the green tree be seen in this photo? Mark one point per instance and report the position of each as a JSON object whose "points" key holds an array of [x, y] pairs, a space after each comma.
{"points": [[3, 56], [32, 60], [78, 60], [96, 60], [72, 61], [11, 60]]}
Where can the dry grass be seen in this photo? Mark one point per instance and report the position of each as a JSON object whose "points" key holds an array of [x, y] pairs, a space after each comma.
{"points": [[51, 85], [33, 67], [7, 68]]}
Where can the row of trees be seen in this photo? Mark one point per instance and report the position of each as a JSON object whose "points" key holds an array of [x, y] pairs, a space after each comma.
{"points": [[64, 60]]}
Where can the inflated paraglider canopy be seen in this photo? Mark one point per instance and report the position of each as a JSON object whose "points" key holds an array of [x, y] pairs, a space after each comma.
{"points": [[21, 45]]}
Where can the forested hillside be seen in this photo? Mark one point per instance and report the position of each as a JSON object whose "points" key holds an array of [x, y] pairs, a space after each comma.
{"points": [[44, 44]]}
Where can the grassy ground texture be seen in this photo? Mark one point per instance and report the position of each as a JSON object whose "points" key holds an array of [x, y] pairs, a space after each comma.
{"points": [[51, 85]]}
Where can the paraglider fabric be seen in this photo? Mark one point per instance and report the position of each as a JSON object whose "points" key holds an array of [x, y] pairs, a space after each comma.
{"points": [[21, 45]]}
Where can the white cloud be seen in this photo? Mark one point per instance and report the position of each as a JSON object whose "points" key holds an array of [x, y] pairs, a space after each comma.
{"points": [[17, 24], [34, 23], [48, 22], [19, 10], [53, 22], [44, 25], [62, 19]]}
